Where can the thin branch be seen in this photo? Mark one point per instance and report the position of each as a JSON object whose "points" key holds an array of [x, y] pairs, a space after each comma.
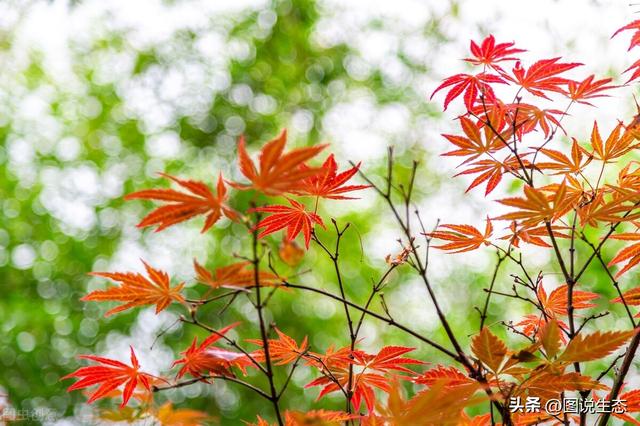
{"points": [[204, 378], [388, 320], [483, 314], [263, 330]]}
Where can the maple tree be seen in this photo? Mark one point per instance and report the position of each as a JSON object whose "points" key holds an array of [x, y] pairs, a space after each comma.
{"points": [[566, 199]]}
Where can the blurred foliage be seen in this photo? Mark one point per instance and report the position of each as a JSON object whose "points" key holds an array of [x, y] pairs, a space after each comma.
{"points": [[64, 168]]}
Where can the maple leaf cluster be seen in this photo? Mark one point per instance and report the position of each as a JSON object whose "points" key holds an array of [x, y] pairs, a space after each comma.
{"points": [[278, 173], [576, 193], [566, 196]]}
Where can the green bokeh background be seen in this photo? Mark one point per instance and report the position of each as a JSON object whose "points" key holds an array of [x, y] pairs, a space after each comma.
{"points": [[275, 74]]}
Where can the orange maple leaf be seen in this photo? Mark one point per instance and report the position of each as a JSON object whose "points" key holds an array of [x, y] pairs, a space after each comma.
{"points": [[317, 417], [448, 376], [533, 325], [110, 375], [630, 253], [290, 252], [362, 387], [473, 144], [234, 276], [536, 207], [283, 350], [564, 164], [183, 206], [388, 358], [295, 218], [489, 349], [313, 417], [546, 385], [532, 235], [604, 209], [617, 144], [137, 290], [631, 405], [556, 302], [463, 237], [278, 172], [526, 118], [631, 298], [491, 171]]}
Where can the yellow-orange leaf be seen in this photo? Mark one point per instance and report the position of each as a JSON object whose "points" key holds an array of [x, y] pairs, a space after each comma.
{"points": [[168, 416], [550, 337], [618, 143], [489, 349], [594, 346], [548, 385], [290, 252]]}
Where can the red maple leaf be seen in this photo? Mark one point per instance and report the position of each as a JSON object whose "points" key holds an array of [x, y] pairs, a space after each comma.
{"points": [[542, 76], [199, 360], [589, 89], [362, 387], [489, 53], [491, 171], [329, 183], [110, 375], [137, 290], [528, 118], [471, 85], [636, 73], [183, 206], [387, 360], [635, 38], [277, 172], [295, 218], [532, 235], [332, 358]]}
